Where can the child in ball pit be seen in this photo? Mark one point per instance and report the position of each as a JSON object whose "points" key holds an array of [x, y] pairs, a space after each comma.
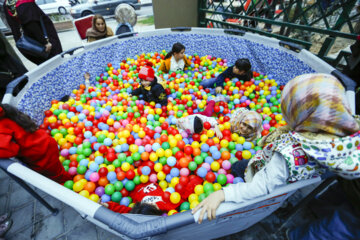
{"points": [[21, 138], [150, 199], [321, 134], [241, 70], [244, 122], [175, 59], [150, 90]]}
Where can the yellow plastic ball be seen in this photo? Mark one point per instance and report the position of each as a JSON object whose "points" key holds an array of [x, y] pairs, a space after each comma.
{"points": [[172, 212], [163, 184], [203, 138], [84, 193], [217, 186], [94, 197], [174, 181], [125, 166], [199, 189], [175, 198], [193, 204], [158, 167], [78, 186], [192, 197], [227, 125], [241, 140], [168, 153], [144, 178], [161, 175], [160, 152], [215, 166], [246, 154], [224, 143]]}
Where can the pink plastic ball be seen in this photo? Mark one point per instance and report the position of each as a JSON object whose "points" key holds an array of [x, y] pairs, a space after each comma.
{"points": [[226, 165], [117, 125], [207, 166], [230, 178], [85, 111], [153, 178], [125, 122], [148, 148], [64, 152], [138, 142], [266, 126], [221, 171], [184, 134], [247, 102], [184, 172], [105, 113], [72, 170], [171, 112], [94, 177], [158, 129]]}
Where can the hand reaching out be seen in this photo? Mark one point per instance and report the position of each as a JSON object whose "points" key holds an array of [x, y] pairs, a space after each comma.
{"points": [[218, 90], [218, 132], [209, 205]]}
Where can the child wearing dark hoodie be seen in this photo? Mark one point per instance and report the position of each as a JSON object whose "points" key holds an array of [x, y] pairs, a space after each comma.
{"points": [[150, 90]]}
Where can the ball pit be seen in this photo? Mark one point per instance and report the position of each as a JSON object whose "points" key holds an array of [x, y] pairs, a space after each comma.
{"points": [[108, 139], [266, 57]]}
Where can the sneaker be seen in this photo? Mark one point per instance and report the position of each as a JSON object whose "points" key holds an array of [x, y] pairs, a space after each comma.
{"points": [[4, 227]]}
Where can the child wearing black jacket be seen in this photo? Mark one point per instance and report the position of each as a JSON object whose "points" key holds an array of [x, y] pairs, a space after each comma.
{"points": [[150, 90]]}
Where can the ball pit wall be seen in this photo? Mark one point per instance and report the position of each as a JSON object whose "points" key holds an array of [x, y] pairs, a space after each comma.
{"points": [[63, 73]]}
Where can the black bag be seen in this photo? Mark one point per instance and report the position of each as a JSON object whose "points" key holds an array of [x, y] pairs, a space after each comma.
{"points": [[32, 47]]}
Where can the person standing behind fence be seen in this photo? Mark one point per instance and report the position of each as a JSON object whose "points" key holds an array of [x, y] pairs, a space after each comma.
{"points": [[25, 16], [99, 30]]}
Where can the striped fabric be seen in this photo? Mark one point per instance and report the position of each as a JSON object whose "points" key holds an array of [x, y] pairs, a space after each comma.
{"points": [[317, 103]]}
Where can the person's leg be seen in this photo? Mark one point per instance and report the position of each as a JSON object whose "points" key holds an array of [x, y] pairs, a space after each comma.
{"points": [[208, 83], [209, 109], [4, 227], [238, 168]]}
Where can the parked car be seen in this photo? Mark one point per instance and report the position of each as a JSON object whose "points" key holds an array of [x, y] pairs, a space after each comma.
{"points": [[54, 6], [103, 7]]}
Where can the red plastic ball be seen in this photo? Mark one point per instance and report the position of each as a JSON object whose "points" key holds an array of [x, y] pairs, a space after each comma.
{"points": [[103, 172], [130, 174], [207, 125], [188, 150], [210, 177]]}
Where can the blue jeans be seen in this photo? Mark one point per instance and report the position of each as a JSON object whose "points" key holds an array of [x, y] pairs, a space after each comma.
{"points": [[208, 83]]}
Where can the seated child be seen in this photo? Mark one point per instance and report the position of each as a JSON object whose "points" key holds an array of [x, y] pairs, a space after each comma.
{"points": [[317, 116], [241, 70], [21, 138], [150, 89], [149, 199], [99, 30], [175, 60]]}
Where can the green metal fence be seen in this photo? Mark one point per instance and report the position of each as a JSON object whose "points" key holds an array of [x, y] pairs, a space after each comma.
{"points": [[317, 25]]}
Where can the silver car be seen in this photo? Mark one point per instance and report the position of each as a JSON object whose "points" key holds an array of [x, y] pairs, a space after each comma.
{"points": [[103, 7]]}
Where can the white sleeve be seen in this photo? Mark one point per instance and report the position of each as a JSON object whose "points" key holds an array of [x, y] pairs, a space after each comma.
{"points": [[273, 175]]}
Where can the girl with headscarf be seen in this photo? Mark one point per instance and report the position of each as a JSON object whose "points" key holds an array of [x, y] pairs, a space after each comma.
{"points": [[321, 134], [99, 30], [25, 15]]}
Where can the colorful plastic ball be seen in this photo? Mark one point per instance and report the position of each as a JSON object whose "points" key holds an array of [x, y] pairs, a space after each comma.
{"points": [[129, 185], [94, 197], [145, 170], [109, 189], [116, 197], [199, 189], [78, 186], [222, 179], [201, 172], [215, 166], [185, 206], [246, 154], [69, 184]]}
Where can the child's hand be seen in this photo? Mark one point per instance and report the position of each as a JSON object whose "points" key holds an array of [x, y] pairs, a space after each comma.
{"points": [[218, 132], [209, 205], [218, 90], [87, 75]]}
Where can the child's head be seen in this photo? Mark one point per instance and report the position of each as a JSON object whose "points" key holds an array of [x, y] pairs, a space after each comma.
{"points": [[99, 23], [12, 113], [146, 209], [178, 51], [192, 124], [242, 66], [317, 103], [247, 124], [147, 75]]}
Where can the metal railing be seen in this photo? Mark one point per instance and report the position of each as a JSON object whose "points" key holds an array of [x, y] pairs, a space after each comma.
{"points": [[302, 22]]}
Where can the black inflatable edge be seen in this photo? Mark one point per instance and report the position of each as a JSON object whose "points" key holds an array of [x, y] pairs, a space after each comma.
{"points": [[291, 46], [125, 35], [70, 51], [348, 83], [180, 29], [235, 32], [126, 226], [17, 85]]}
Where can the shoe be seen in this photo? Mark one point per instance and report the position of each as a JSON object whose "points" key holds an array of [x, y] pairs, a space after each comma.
{"points": [[4, 217], [4, 227]]}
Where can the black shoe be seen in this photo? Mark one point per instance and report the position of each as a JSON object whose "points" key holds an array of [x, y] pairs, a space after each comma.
{"points": [[4, 227]]}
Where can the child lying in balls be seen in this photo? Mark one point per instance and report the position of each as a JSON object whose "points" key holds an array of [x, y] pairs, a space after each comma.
{"points": [[241, 70], [150, 90], [244, 122], [150, 199], [175, 59], [321, 134], [21, 138]]}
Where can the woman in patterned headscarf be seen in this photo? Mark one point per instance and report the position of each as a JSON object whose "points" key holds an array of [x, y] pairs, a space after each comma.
{"points": [[25, 15], [321, 134]]}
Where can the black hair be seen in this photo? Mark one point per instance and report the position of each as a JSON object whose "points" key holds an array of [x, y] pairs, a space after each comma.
{"points": [[243, 64], [146, 209], [176, 48], [20, 118], [198, 125]]}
